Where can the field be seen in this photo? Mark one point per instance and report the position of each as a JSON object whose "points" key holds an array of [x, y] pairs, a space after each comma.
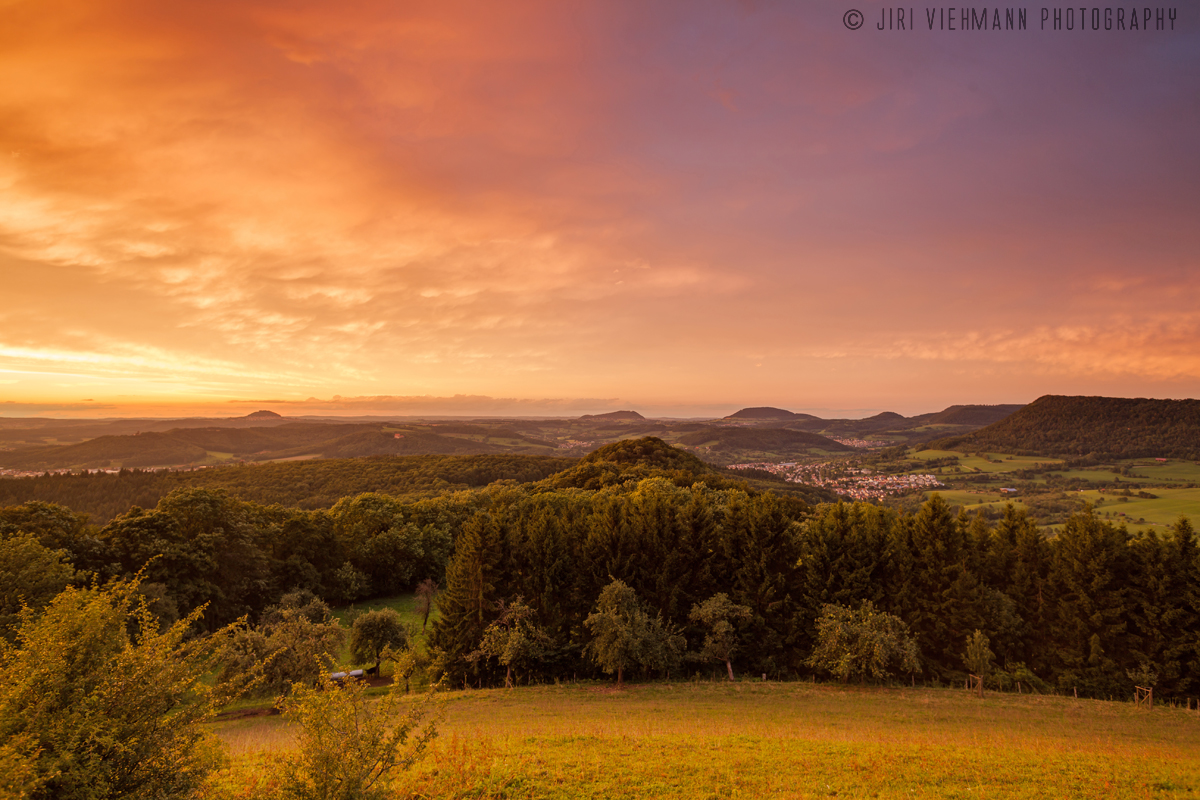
{"points": [[973, 463], [1161, 511], [970, 499], [791, 740]]}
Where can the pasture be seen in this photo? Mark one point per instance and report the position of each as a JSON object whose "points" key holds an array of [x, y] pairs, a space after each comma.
{"points": [[1159, 512], [972, 463], [776, 740]]}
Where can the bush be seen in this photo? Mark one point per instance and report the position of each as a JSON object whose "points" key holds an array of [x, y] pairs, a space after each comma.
{"points": [[350, 748], [857, 644], [98, 703]]}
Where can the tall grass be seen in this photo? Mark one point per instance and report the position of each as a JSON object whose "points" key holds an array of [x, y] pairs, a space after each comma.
{"points": [[781, 740]]}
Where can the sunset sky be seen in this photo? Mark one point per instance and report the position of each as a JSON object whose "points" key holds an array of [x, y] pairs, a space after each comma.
{"points": [[568, 207]]}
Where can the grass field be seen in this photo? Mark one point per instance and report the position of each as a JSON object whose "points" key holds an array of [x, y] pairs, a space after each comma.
{"points": [[963, 497], [1160, 512], [1171, 471], [797, 740], [972, 463]]}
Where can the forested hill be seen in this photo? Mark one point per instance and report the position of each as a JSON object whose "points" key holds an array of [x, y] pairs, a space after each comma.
{"points": [[321, 483], [630, 460], [768, 413], [193, 446], [295, 484], [973, 415], [729, 445], [1109, 427]]}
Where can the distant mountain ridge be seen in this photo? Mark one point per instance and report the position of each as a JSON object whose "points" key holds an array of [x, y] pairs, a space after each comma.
{"points": [[766, 433], [1109, 427], [190, 446]]}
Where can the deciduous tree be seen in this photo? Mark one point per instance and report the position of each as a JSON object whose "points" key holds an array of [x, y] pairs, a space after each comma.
{"points": [[717, 615], [863, 643], [373, 633], [515, 639], [624, 635]]}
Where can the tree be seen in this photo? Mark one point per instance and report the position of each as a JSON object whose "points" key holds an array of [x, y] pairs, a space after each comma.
{"points": [[717, 614], [856, 644], [515, 639], [350, 747], [427, 591], [1089, 583], [374, 632], [294, 642], [31, 575], [469, 597], [978, 658], [624, 635], [97, 702]]}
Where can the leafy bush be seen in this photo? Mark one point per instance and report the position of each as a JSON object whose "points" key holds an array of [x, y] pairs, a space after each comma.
{"points": [[864, 643]]}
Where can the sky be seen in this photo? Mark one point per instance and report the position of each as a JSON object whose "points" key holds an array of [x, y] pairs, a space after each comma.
{"points": [[682, 207]]}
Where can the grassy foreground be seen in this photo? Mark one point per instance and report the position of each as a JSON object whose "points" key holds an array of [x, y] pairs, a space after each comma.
{"points": [[790, 740]]}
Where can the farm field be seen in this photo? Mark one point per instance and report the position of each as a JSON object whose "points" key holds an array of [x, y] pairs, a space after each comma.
{"points": [[791, 740], [970, 499], [1161, 511], [1171, 471], [972, 463]]}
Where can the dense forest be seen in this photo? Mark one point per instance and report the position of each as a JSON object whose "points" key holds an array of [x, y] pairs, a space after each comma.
{"points": [[1091, 609], [1105, 427], [198, 445], [312, 484]]}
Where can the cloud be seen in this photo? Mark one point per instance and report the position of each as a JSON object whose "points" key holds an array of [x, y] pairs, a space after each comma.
{"points": [[578, 200]]}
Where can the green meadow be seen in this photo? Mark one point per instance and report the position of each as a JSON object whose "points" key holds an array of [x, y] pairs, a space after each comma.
{"points": [[1163, 510], [774, 740], [973, 463], [1170, 481], [1166, 472]]}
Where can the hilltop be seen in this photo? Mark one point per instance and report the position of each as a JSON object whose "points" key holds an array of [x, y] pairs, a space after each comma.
{"points": [[1106, 427], [973, 415], [730, 445], [768, 413], [614, 416]]}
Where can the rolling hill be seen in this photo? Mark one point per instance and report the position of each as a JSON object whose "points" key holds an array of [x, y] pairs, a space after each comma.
{"points": [[197, 446], [729, 445], [1108, 427], [768, 413]]}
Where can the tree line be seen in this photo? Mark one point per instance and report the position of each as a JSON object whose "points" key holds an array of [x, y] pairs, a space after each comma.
{"points": [[1088, 608], [1092, 609]]}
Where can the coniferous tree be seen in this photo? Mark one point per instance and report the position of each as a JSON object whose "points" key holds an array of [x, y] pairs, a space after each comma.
{"points": [[1088, 581], [468, 603], [947, 599]]}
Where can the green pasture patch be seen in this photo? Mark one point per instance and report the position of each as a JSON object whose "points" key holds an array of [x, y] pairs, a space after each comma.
{"points": [[1009, 462], [962, 497], [929, 455], [1104, 475], [1161, 511], [1170, 471], [785, 740], [403, 604]]}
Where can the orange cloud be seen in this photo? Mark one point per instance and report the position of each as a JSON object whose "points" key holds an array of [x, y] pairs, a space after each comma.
{"points": [[541, 199]]}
